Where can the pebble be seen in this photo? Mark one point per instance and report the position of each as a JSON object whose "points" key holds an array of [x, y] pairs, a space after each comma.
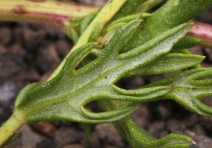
{"points": [[197, 50], [198, 129], [7, 91], [163, 112], [65, 136], [175, 126], [108, 134], [191, 120], [206, 123], [156, 127], [45, 127], [47, 55], [208, 53], [142, 116], [63, 47], [2, 50], [5, 36], [33, 39], [201, 140], [9, 66]]}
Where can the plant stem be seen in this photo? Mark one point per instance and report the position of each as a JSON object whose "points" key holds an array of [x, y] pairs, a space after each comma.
{"points": [[11, 126], [202, 31], [101, 20], [58, 14]]}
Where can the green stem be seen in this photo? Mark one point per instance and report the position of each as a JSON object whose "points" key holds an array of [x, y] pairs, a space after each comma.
{"points": [[11, 126], [101, 20]]}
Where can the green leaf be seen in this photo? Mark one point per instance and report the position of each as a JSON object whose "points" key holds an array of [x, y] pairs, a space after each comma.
{"points": [[65, 96], [168, 63], [86, 21], [111, 28], [128, 8], [121, 52], [74, 34], [138, 137], [186, 42], [173, 13], [24, 92], [188, 87], [148, 5], [62, 97]]}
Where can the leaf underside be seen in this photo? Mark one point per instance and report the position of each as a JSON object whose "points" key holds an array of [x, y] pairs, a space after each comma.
{"points": [[73, 89], [123, 52]]}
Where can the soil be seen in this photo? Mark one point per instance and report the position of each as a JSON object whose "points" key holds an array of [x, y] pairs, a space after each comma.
{"points": [[30, 52]]}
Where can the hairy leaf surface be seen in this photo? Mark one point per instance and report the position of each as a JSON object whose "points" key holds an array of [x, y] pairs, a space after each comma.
{"points": [[66, 95]]}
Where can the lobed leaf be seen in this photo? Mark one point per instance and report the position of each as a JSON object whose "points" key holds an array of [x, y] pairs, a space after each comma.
{"points": [[124, 53], [188, 87], [65, 96], [168, 63], [138, 137]]}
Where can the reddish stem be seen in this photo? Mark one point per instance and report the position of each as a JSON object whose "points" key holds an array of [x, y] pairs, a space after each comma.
{"points": [[202, 31], [58, 14]]}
